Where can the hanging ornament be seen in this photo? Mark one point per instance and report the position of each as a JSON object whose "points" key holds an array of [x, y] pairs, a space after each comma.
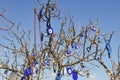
{"points": [[11, 74], [92, 28], [98, 40], [52, 8], [98, 58], [82, 65], [40, 13], [73, 44], [49, 30], [28, 71], [74, 34], [69, 70], [34, 63], [77, 46], [108, 48], [81, 34], [63, 72], [46, 62], [6, 71], [68, 51], [44, 55], [36, 71], [58, 76], [61, 41], [41, 36], [74, 75], [88, 49], [23, 78], [73, 31]]}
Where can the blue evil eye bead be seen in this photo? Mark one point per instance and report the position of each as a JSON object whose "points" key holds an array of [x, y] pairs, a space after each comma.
{"points": [[88, 49], [23, 78], [27, 71], [46, 62], [77, 46], [109, 49], [74, 34], [107, 41], [34, 63], [58, 76], [41, 36], [92, 28], [98, 39], [73, 44], [44, 55], [36, 71], [6, 71], [69, 70], [68, 51], [61, 41], [81, 34], [40, 13], [52, 8], [74, 75], [49, 30], [98, 58], [82, 65]]}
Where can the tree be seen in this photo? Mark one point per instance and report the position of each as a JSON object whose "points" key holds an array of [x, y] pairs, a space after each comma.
{"points": [[70, 51]]}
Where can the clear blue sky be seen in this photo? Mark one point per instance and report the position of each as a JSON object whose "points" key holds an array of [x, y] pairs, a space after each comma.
{"points": [[107, 11]]}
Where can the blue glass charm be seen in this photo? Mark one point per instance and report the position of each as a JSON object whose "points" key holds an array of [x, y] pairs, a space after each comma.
{"points": [[58, 76], [36, 71], [46, 62], [74, 34], [73, 44], [41, 35], [82, 65], [34, 63], [44, 55], [49, 30], [61, 41], [81, 34], [108, 48], [23, 78], [77, 46], [68, 51], [92, 28], [6, 71], [40, 13], [52, 8], [74, 75], [69, 70], [88, 49], [27, 71]]}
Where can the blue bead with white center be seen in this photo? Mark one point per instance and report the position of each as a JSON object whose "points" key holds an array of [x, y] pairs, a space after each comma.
{"points": [[74, 75], [46, 62], [27, 71], [68, 51], [49, 30], [69, 70], [73, 44]]}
